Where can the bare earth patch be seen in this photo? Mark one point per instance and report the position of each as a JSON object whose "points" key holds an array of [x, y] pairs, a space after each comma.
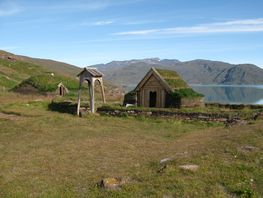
{"points": [[7, 116]]}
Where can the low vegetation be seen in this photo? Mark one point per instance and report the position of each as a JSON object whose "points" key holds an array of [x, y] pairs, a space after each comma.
{"points": [[49, 154], [172, 78], [186, 93], [49, 82], [13, 72]]}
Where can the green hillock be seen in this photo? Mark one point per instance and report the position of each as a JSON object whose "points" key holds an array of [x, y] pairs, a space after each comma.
{"points": [[13, 72], [48, 82], [16, 73]]}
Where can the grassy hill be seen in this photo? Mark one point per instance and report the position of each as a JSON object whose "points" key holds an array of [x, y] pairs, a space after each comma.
{"points": [[46, 64], [48, 83], [16, 73], [13, 72], [54, 66], [30, 75], [14, 69]]}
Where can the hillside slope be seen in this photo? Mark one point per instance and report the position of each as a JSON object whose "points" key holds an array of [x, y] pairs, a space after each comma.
{"points": [[128, 73], [30, 75], [12, 72], [47, 64], [23, 73]]}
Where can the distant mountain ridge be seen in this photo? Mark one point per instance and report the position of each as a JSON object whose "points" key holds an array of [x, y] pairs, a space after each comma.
{"points": [[128, 73]]}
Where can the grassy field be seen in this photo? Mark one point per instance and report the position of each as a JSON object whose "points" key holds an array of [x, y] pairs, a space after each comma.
{"points": [[49, 154]]}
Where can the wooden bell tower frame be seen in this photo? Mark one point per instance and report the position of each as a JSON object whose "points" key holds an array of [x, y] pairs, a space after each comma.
{"points": [[91, 75]]}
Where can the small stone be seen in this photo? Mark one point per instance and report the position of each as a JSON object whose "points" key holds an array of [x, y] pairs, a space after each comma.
{"points": [[249, 148], [191, 167], [166, 160], [162, 169], [149, 113], [112, 183]]}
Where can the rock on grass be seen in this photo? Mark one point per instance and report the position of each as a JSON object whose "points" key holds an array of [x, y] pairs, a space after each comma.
{"points": [[190, 167], [112, 183]]}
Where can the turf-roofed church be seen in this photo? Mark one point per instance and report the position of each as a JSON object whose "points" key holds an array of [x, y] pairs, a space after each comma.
{"points": [[163, 88]]}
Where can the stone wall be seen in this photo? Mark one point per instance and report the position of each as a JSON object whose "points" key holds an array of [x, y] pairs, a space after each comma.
{"points": [[165, 114]]}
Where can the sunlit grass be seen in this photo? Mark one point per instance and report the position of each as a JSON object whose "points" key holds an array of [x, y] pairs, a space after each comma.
{"points": [[51, 154]]}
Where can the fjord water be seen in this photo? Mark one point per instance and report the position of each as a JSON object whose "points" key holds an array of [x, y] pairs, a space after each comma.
{"points": [[231, 94]]}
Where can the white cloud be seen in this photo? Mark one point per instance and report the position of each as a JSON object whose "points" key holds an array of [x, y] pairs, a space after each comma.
{"points": [[248, 25], [89, 23], [139, 32], [8, 8], [106, 22]]}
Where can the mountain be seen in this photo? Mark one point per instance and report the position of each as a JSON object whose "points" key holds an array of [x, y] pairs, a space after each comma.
{"points": [[128, 73]]}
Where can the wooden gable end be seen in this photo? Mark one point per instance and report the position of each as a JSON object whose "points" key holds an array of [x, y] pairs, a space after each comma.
{"points": [[153, 77], [152, 82]]}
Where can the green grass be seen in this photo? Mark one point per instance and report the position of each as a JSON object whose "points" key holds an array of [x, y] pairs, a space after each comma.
{"points": [[172, 78], [50, 154], [20, 73], [186, 93], [7, 82], [22, 68], [13, 72], [49, 83], [179, 86]]}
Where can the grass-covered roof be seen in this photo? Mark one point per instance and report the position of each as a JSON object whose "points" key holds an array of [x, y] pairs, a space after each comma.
{"points": [[49, 83], [177, 84], [172, 78]]}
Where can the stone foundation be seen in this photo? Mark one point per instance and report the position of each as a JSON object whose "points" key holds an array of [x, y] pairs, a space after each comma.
{"points": [[166, 114]]}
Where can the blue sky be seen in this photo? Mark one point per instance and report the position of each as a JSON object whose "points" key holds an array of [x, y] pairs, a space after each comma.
{"points": [[85, 32]]}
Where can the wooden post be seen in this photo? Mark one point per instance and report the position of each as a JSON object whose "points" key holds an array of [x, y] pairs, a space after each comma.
{"points": [[102, 91], [79, 93], [92, 104]]}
